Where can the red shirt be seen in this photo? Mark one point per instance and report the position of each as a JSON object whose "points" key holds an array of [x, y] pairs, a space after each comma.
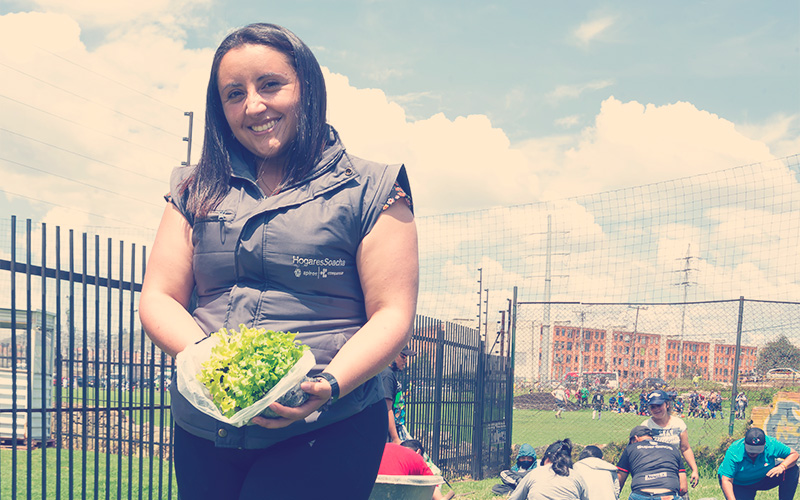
{"points": [[401, 461]]}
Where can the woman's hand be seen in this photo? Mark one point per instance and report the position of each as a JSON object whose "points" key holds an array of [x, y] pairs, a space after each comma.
{"points": [[319, 391]]}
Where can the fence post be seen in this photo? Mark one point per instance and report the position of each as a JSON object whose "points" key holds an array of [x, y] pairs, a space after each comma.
{"points": [[437, 406], [510, 381], [477, 415], [735, 386]]}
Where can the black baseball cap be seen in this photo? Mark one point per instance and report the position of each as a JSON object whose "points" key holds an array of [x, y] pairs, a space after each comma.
{"points": [[754, 440], [640, 430], [408, 351], [657, 397]]}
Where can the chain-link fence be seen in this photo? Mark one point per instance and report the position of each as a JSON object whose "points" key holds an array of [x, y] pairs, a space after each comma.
{"points": [[622, 351]]}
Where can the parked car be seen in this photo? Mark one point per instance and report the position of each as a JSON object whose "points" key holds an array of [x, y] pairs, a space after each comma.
{"points": [[653, 383], [783, 374], [750, 376]]}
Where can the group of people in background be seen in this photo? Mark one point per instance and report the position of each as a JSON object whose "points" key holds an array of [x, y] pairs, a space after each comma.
{"points": [[694, 405], [659, 462]]}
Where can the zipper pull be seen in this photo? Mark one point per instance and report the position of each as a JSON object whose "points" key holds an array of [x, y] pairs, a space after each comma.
{"points": [[223, 216]]}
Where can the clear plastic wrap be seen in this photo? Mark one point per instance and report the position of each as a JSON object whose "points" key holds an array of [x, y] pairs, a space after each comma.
{"points": [[189, 364]]}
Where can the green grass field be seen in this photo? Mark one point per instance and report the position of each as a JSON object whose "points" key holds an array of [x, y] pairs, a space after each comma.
{"points": [[82, 477], [540, 428], [708, 489], [139, 400], [537, 427]]}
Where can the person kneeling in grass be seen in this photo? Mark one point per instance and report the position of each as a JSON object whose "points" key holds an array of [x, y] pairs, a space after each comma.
{"points": [[750, 466]]}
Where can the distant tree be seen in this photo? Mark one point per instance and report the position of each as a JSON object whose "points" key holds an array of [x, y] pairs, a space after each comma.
{"points": [[779, 353]]}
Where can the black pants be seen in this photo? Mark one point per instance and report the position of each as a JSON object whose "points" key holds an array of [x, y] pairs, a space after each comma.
{"points": [[786, 483], [337, 461]]}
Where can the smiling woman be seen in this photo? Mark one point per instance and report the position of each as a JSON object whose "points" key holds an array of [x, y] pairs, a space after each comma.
{"points": [[261, 99], [279, 228], [670, 429]]}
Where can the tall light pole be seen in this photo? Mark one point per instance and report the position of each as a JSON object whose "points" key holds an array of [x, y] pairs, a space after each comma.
{"points": [[635, 327], [582, 316]]}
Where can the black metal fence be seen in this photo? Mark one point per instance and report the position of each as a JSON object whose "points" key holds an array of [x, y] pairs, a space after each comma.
{"points": [[458, 399], [83, 412], [83, 408]]}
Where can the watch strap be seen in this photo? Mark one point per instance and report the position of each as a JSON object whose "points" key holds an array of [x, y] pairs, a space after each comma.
{"points": [[334, 386]]}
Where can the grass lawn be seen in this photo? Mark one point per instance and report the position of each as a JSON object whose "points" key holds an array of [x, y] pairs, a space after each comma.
{"points": [[141, 401], [540, 428], [88, 476], [708, 489]]}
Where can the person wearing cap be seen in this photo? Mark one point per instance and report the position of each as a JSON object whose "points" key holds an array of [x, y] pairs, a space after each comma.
{"points": [[395, 401], [670, 429], [656, 467], [750, 466]]}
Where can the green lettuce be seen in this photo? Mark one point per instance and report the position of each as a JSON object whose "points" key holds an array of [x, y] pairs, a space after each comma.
{"points": [[246, 364]]}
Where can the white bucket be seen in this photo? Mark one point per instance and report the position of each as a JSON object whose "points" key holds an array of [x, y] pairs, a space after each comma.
{"points": [[405, 487]]}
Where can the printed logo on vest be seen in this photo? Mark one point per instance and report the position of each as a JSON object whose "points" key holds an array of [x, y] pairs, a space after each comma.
{"points": [[317, 268]]}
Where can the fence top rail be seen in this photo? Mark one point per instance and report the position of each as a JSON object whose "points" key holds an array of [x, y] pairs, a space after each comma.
{"points": [[64, 275], [723, 301]]}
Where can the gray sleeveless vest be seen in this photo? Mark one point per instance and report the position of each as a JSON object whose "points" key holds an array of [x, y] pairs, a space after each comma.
{"points": [[287, 263]]}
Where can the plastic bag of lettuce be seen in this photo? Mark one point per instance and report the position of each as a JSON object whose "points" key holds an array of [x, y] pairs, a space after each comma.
{"points": [[234, 375]]}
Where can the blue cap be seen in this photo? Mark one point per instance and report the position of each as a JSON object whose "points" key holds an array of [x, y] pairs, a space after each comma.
{"points": [[657, 397]]}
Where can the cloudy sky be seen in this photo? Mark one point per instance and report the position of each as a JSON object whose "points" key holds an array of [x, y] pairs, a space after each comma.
{"points": [[487, 103]]}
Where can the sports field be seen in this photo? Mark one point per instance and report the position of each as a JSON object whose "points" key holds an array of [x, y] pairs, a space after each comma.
{"points": [[540, 428]]}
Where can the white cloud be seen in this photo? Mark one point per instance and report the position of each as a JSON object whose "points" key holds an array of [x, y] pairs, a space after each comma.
{"points": [[384, 74], [780, 132], [412, 97], [590, 30], [568, 121], [117, 13], [454, 165], [574, 91], [111, 118], [632, 144]]}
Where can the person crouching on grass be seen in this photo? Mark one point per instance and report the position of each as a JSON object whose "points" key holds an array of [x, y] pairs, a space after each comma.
{"points": [[749, 467]]}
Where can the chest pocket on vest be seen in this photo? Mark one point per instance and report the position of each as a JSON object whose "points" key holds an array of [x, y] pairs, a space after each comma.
{"points": [[214, 238]]}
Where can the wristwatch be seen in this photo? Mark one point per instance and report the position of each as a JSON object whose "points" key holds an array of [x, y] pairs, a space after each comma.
{"points": [[334, 386]]}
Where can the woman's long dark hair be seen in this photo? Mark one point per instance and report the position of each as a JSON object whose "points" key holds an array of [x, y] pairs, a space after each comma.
{"points": [[211, 180], [560, 456]]}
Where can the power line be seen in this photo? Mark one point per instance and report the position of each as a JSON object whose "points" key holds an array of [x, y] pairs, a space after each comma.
{"points": [[73, 208], [80, 182], [108, 78], [89, 100], [81, 155], [89, 128]]}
